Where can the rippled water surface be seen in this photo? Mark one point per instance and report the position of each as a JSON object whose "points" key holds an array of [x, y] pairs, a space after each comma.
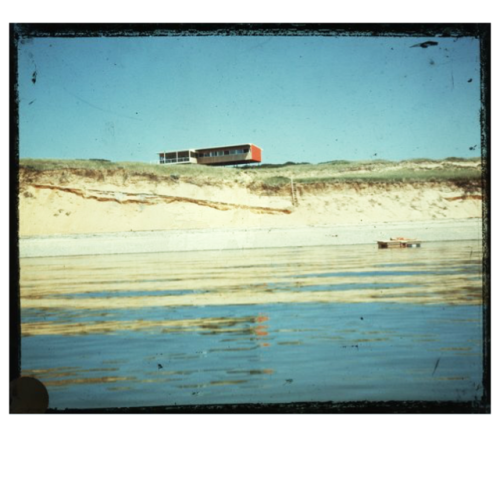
{"points": [[340, 323]]}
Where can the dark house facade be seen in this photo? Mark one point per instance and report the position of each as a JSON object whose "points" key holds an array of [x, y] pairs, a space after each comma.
{"points": [[217, 156]]}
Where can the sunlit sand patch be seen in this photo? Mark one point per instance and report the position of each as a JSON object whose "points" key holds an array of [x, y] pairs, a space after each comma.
{"points": [[219, 325], [378, 339], [227, 382], [266, 371], [233, 283], [433, 292], [85, 381], [157, 380]]}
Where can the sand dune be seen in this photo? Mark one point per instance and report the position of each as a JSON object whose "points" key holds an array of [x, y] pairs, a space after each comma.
{"points": [[82, 205]]}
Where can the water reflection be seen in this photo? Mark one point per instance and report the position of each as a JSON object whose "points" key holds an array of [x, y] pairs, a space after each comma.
{"points": [[338, 323], [447, 273]]}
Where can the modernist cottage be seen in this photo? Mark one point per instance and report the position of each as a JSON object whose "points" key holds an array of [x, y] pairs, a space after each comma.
{"points": [[218, 156]]}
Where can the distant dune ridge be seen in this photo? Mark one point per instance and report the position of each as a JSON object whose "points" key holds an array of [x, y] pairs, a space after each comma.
{"points": [[85, 197]]}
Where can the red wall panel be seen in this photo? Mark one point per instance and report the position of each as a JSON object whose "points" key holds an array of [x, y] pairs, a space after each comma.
{"points": [[256, 153]]}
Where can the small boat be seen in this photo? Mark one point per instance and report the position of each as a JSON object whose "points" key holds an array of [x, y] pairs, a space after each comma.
{"points": [[398, 243]]}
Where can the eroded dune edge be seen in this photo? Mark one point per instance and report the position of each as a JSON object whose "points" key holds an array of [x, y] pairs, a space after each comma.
{"points": [[198, 203]]}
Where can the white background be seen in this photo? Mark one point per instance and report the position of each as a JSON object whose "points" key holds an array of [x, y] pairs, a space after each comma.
{"points": [[243, 445]]}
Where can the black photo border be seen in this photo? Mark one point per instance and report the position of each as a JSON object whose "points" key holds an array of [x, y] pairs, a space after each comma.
{"points": [[481, 31]]}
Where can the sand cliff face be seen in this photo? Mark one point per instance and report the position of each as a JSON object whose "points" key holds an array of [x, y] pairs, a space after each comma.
{"points": [[82, 201]]}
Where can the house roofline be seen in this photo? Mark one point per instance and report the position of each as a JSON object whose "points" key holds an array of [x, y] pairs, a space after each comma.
{"points": [[213, 147]]}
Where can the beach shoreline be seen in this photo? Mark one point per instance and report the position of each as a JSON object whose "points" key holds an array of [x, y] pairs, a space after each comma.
{"points": [[186, 240], [85, 208]]}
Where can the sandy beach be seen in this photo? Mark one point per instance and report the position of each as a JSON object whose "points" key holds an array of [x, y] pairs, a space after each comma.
{"points": [[250, 238], [83, 211]]}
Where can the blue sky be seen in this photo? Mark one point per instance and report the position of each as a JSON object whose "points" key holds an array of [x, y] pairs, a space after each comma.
{"points": [[308, 99]]}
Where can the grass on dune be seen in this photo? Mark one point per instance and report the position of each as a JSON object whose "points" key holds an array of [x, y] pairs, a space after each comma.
{"points": [[339, 171], [191, 170]]}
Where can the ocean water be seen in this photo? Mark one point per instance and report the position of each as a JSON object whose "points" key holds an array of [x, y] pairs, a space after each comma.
{"points": [[343, 323]]}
